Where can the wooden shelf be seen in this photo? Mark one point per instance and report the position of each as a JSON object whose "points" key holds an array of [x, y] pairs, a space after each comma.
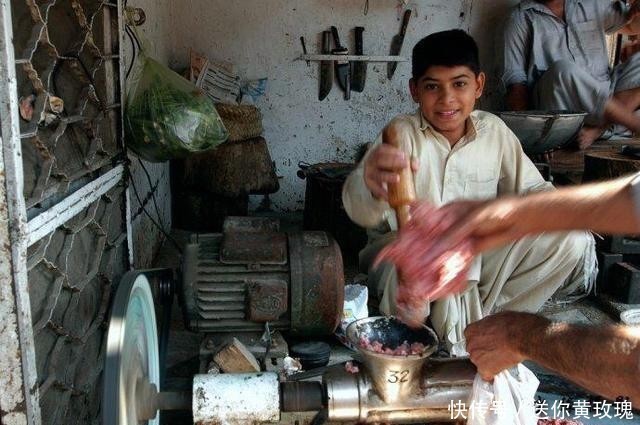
{"points": [[352, 58]]}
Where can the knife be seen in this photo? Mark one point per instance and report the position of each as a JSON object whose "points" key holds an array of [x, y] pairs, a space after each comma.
{"points": [[396, 43], [359, 71], [326, 67], [342, 66], [304, 48]]}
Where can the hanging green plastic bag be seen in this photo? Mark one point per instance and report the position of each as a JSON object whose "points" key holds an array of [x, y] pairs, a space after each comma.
{"points": [[166, 116]]}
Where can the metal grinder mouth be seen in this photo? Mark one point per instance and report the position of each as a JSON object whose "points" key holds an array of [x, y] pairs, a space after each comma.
{"points": [[393, 376]]}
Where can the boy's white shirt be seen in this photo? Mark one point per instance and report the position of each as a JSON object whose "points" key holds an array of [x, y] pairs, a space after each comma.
{"points": [[487, 162]]}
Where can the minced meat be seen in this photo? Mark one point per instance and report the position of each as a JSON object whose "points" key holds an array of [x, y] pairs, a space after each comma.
{"points": [[429, 266]]}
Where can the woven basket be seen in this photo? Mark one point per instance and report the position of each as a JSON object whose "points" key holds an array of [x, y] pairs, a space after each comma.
{"points": [[242, 121]]}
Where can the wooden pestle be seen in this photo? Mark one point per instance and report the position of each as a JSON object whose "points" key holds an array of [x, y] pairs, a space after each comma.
{"points": [[401, 194]]}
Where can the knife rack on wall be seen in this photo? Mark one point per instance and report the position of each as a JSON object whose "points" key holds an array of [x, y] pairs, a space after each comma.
{"points": [[326, 82], [351, 58]]}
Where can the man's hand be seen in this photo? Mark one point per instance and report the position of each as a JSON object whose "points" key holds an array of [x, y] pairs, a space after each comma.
{"points": [[633, 20], [634, 10], [383, 166], [488, 224], [495, 343]]}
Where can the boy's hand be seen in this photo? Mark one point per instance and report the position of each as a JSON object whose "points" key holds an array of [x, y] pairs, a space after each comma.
{"points": [[383, 167]]}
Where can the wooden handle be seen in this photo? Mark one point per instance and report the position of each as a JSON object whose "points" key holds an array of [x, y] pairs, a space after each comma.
{"points": [[401, 194]]}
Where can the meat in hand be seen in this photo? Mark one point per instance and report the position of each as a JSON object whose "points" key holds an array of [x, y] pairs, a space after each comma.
{"points": [[429, 265]]}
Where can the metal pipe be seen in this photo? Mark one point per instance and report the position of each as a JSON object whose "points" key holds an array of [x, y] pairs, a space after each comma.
{"points": [[410, 416], [47, 221], [174, 401], [19, 368], [149, 401], [240, 398], [301, 396]]}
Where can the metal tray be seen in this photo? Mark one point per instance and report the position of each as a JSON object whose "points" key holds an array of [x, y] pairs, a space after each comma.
{"points": [[543, 131]]}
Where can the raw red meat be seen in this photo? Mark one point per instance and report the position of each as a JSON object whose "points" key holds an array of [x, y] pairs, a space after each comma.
{"points": [[429, 265], [404, 349], [351, 367]]}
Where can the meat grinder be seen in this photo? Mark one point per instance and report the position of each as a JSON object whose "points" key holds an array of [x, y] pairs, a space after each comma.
{"points": [[415, 388], [393, 389]]}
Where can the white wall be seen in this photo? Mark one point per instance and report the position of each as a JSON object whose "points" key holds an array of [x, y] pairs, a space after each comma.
{"points": [[158, 30], [261, 37]]}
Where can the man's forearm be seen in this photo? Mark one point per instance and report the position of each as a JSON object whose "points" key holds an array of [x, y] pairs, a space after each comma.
{"points": [[606, 207], [604, 360]]}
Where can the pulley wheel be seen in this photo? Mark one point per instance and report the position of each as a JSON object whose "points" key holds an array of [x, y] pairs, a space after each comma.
{"points": [[132, 361]]}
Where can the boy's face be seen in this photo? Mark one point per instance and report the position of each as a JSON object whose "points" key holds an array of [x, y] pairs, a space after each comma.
{"points": [[447, 95]]}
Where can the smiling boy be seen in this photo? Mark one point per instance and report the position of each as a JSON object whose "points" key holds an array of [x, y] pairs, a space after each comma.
{"points": [[457, 152]]}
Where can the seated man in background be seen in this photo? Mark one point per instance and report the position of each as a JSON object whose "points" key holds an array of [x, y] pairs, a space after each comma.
{"points": [[457, 152], [555, 57]]}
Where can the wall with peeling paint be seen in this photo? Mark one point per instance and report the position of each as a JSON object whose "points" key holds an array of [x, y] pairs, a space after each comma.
{"points": [[261, 37], [158, 31]]}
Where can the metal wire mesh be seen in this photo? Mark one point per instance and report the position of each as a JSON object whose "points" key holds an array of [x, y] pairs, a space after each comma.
{"points": [[68, 85], [65, 50], [72, 273]]}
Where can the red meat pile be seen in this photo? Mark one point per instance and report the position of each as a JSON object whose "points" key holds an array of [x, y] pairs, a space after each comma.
{"points": [[429, 266], [352, 368], [404, 349]]}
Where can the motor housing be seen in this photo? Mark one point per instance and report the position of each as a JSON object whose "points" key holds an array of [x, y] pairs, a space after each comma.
{"points": [[252, 273]]}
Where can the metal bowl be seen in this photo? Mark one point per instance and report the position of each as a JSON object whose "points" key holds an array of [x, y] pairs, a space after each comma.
{"points": [[391, 333], [394, 377], [543, 131]]}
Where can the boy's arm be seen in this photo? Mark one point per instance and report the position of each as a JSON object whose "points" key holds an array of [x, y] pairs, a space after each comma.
{"points": [[604, 360], [358, 201]]}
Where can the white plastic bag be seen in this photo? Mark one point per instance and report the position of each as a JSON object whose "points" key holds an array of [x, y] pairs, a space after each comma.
{"points": [[355, 307], [509, 399]]}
